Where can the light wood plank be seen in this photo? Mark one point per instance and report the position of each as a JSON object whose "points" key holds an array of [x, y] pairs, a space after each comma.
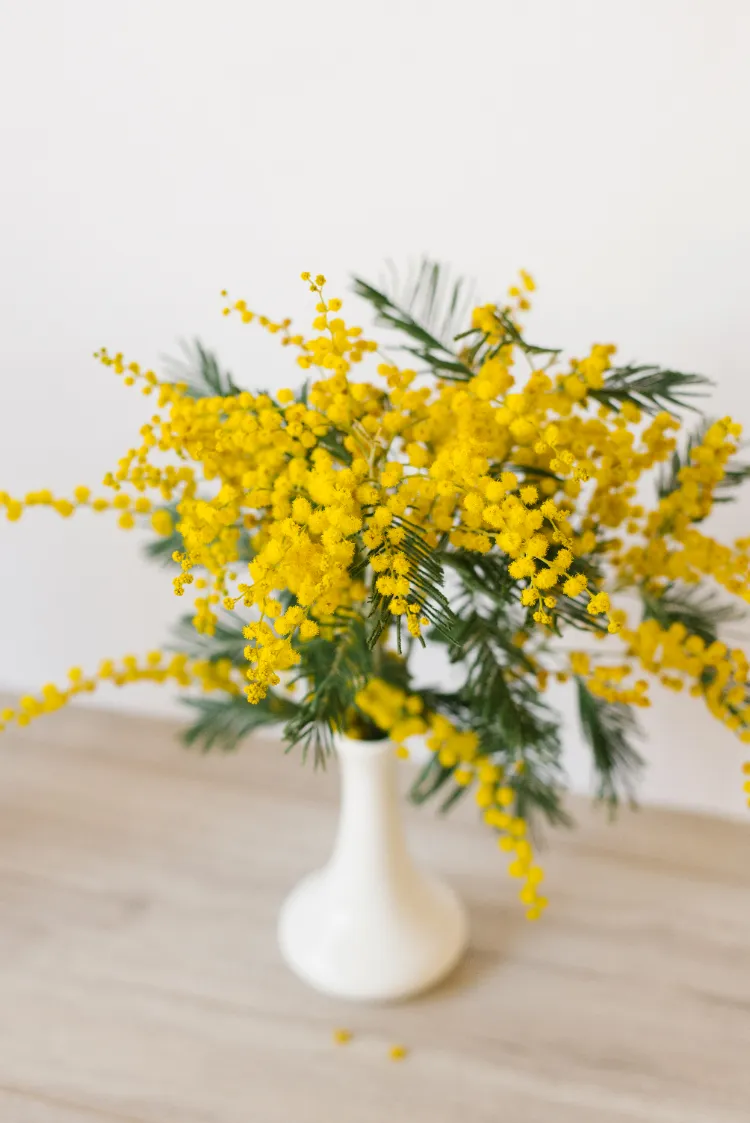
{"points": [[140, 980]]}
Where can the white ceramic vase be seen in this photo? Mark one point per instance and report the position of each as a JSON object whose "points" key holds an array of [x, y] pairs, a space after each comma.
{"points": [[371, 925]]}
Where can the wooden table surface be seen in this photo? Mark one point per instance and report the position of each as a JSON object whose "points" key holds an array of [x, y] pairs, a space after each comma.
{"points": [[140, 980]]}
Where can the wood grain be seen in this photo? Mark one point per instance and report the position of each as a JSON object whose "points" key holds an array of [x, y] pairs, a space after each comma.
{"points": [[140, 980]]}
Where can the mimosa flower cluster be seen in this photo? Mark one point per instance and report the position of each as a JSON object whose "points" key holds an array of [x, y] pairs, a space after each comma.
{"points": [[484, 495]]}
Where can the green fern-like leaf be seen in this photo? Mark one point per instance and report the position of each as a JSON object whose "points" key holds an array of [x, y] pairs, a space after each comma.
{"points": [[227, 642], [651, 389], [222, 722], [499, 700], [426, 578], [609, 728], [161, 548], [200, 370], [431, 309], [701, 610], [333, 667], [426, 312], [429, 304]]}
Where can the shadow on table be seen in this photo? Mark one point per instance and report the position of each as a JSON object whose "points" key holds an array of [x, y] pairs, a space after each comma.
{"points": [[495, 931]]}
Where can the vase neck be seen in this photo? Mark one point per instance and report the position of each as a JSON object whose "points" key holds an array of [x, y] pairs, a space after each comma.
{"points": [[370, 842]]}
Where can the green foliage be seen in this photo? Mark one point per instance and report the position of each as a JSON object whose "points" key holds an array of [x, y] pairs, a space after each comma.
{"points": [[223, 721], [574, 614], [432, 779], [427, 579], [734, 476], [515, 728], [429, 308], [608, 728], [441, 304], [200, 370], [334, 445], [498, 699], [668, 479], [228, 642], [426, 310], [486, 575], [480, 348], [650, 388], [701, 610], [334, 667], [482, 575], [392, 668], [413, 317], [161, 548]]}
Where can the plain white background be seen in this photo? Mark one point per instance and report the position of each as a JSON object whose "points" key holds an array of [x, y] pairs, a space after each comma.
{"points": [[153, 153]]}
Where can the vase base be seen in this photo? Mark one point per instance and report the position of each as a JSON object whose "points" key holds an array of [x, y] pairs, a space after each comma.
{"points": [[375, 951]]}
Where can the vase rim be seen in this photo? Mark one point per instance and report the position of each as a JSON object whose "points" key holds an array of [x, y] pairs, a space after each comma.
{"points": [[353, 746]]}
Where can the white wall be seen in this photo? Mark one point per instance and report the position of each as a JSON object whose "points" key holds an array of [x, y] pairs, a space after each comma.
{"points": [[155, 152]]}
